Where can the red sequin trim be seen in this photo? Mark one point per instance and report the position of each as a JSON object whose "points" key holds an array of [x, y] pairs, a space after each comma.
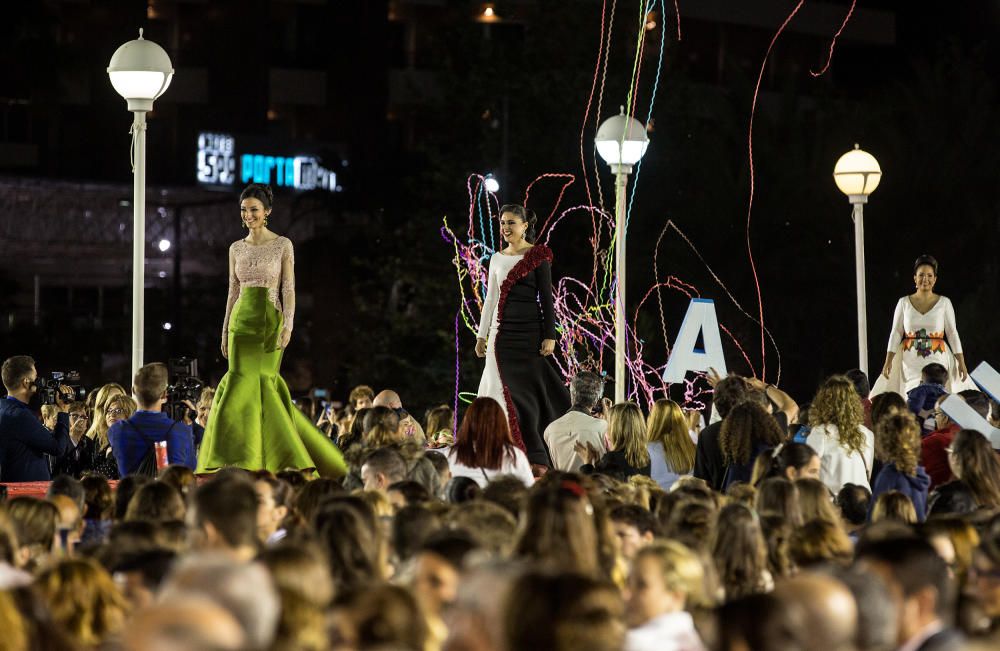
{"points": [[535, 256]]}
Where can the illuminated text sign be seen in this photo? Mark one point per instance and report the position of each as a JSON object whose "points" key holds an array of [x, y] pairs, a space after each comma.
{"points": [[219, 164]]}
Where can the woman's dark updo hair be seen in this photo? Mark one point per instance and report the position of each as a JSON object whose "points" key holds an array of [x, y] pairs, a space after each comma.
{"points": [[259, 191], [927, 260], [790, 455], [525, 215]]}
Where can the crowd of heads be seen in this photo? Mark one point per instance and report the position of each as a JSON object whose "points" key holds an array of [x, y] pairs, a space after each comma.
{"points": [[398, 554]]}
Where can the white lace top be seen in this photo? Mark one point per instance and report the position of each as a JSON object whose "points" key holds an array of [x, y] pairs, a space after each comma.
{"points": [[270, 265]]}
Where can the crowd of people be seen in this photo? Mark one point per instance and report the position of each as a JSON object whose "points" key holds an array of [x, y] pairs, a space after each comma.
{"points": [[851, 523]]}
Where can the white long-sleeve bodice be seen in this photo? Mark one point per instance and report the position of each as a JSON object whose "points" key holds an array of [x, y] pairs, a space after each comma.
{"points": [[910, 327], [500, 266], [270, 265]]}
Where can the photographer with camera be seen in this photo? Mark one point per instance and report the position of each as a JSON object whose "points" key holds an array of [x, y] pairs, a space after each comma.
{"points": [[24, 441], [134, 441]]}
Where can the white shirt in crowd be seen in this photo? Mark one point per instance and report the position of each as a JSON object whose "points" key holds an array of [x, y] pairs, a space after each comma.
{"points": [[565, 431], [519, 467], [839, 466], [670, 632]]}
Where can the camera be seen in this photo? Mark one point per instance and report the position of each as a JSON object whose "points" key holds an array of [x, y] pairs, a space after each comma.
{"points": [[184, 385], [48, 389]]}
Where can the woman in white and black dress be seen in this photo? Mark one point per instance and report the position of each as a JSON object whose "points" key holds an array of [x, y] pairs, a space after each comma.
{"points": [[517, 333]]}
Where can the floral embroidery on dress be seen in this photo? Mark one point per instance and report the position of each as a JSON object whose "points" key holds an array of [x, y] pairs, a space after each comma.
{"points": [[924, 343], [261, 266]]}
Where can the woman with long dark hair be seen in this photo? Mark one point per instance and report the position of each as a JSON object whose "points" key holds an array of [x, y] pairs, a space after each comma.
{"points": [[517, 333], [976, 467], [559, 529], [484, 448], [253, 423], [740, 553], [789, 460], [747, 432]]}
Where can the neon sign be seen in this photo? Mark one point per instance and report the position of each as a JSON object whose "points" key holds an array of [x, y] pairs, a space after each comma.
{"points": [[219, 164]]}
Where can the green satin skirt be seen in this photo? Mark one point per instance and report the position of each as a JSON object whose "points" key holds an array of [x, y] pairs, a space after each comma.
{"points": [[253, 423]]}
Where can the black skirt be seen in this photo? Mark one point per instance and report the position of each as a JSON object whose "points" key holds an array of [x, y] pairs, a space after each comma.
{"points": [[534, 386]]}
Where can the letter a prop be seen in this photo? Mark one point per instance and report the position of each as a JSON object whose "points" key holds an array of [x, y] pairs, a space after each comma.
{"points": [[685, 357]]}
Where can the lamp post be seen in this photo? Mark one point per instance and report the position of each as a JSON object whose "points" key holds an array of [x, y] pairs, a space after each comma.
{"points": [[621, 141], [857, 174], [140, 71]]}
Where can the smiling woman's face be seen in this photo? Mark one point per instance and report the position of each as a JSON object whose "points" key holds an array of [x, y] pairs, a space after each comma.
{"points": [[512, 227], [924, 277], [252, 212]]}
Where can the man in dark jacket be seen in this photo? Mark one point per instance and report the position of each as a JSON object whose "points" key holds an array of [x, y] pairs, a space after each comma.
{"points": [[24, 441], [922, 589]]}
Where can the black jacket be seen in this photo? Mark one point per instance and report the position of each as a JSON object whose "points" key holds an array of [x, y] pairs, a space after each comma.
{"points": [[78, 460], [24, 442], [708, 461], [614, 464]]}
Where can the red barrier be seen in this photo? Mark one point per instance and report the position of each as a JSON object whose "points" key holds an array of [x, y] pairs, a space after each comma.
{"points": [[33, 488]]}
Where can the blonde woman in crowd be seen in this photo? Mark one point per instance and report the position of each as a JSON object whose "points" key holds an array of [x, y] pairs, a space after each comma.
{"points": [[118, 407], [204, 406], [671, 448], [84, 600], [98, 432], [628, 454], [98, 427], [665, 577]]}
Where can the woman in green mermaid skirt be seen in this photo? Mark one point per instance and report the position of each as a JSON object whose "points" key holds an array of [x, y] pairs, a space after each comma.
{"points": [[253, 423]]}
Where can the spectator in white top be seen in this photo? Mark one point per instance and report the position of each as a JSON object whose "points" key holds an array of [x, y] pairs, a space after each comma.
{"points": [[580, 424], [665, 577], [846, 447], [484, 448]]}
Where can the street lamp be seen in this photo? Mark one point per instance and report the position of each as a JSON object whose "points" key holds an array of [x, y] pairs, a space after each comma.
{"points": [[140, 71], [621, 141], [491, 184], [857, 174]]}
